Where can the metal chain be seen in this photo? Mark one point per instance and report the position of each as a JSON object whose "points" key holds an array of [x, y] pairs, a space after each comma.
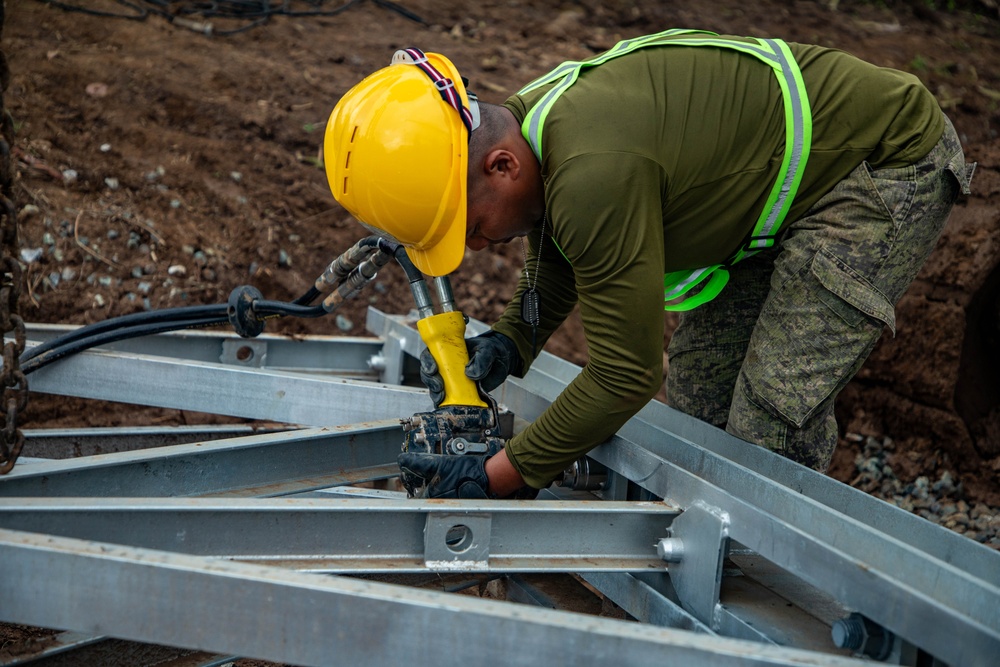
{"points": [[12, 380]]}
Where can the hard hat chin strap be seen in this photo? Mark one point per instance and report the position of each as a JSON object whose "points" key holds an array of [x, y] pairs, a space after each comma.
{"points": [[445, 86]]}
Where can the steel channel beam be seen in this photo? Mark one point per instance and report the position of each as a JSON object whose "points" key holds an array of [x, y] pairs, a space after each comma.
{"points": [[348, 356], [936, 541], [649, 597], [750, 608], [364, 535], [58, 443], [298, 618], [72, 649], [254, 393], [644, 602], [263, 465]]}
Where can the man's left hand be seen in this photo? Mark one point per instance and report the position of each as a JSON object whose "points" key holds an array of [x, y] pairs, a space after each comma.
{"points": [[444, 476]]}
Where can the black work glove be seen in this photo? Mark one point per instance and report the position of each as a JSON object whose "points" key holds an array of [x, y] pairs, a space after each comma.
{"points": [[444, 476], [492, 357]]}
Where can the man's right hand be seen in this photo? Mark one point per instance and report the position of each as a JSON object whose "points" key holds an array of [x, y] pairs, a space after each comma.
{"points": [[431, 377], [443, 476], [492, 357]]}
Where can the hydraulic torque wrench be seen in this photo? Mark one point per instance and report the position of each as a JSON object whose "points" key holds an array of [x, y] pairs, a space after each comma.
{"points": [[467, 420]]}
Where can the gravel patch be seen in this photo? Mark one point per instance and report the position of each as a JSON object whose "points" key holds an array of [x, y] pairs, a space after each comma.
{"points": [[940, 500]]}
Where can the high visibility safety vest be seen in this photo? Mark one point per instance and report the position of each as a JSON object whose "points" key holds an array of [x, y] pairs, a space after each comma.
{"points": [[798, 138]]}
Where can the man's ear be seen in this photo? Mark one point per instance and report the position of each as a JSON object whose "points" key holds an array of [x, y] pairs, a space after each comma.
{"points": [[502, 162]]}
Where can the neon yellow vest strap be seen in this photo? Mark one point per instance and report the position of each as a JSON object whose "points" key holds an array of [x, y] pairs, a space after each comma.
{"points": [[798, 139]]}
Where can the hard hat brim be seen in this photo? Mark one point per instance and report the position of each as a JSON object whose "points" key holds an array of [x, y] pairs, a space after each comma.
{"points": [[446, 255]]}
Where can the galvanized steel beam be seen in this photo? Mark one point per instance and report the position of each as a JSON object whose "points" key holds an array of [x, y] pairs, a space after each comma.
{"points": [[263, 465], [305, 619], [365, 535], [346, 356], [67, 443], [644, 602], [254, 393]]}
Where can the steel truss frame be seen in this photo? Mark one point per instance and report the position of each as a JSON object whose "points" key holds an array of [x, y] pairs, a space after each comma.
{"points": [[217, 545]]}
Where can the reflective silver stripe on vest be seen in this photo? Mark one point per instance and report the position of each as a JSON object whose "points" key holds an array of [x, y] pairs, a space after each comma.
{"points": [[569, 71], [681, 287], [568, 66], [536, 119], [794, 97]]}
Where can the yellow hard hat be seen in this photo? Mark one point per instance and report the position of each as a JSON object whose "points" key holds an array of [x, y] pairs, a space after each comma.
{"points": [[396, 155]]}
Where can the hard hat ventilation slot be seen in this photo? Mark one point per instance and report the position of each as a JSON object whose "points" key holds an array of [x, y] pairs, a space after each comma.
{"points": [[347, 160], [345, 185], [354, 133]]}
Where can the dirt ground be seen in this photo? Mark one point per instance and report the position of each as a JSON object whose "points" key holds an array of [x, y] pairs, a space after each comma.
{"points": [[161, 166]]}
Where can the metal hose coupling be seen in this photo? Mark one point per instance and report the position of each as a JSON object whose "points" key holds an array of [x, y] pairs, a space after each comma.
{"points": [[357, 279], [341, 267]]}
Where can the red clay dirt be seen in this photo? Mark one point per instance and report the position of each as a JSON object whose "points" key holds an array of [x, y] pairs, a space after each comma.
{"points": [[162, 167]]}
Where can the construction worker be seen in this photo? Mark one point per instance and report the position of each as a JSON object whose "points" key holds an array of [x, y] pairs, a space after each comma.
{"points": [[781, 196]]}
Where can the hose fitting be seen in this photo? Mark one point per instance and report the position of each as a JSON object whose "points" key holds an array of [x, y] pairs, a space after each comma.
{"points": [[358, 278], [240, 312]]}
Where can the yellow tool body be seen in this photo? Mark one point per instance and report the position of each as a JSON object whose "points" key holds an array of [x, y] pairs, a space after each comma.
{"points": [[444, 335]]}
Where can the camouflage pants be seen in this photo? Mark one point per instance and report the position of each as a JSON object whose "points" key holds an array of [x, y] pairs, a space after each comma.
{"points": [[768, 357]]}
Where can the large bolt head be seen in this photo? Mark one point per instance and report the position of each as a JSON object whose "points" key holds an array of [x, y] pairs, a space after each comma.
{"points": [[670, 549]]}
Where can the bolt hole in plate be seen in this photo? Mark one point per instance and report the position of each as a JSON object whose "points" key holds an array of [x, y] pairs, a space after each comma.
{"points": [[244, 352], [459, 538], [454, 541]]}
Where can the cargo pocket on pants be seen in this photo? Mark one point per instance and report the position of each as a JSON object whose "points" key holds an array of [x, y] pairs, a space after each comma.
{"points": [[830, 321], [962, 171], [849, 294]]}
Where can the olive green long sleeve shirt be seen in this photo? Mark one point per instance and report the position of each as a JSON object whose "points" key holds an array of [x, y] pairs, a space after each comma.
{"points": [[661, 160]]}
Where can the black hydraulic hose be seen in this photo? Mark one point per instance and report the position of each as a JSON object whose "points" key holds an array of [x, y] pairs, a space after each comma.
{"points": [[184, 313], [418, 286], [166, 315], [187, 317], [308, 297], [264, 308], [412, 272], [144, 329]]}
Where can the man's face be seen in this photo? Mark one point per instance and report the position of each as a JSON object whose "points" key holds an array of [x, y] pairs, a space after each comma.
{"points": [[498, 221]]}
